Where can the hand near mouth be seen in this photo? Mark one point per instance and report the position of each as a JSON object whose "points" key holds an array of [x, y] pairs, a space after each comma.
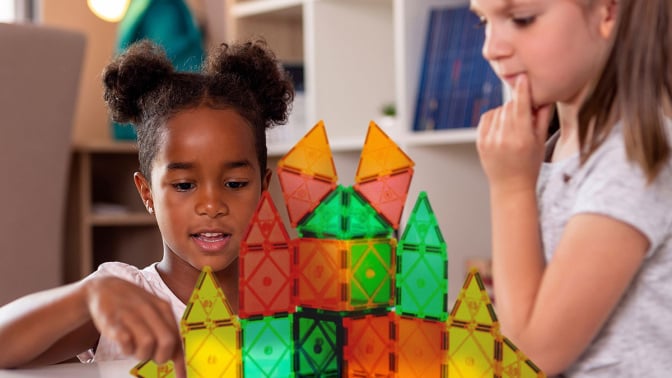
{"points": [[511, 140]]}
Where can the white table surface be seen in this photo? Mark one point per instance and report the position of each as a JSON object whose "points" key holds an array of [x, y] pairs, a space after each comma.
{"points": [[108, 369]]}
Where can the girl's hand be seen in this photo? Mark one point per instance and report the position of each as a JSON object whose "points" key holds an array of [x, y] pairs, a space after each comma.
{"points": [[142, 324], [511, 141]]}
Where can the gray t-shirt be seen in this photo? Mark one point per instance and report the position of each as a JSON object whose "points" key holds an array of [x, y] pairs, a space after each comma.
{"points": [[637, 339]]}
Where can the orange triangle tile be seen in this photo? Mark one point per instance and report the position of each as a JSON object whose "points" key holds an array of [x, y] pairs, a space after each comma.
{"points": [[380, 156], [312, 156]]}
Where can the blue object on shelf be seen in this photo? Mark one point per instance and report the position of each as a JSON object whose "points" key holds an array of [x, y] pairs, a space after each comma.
{"points": [[457, 84]]}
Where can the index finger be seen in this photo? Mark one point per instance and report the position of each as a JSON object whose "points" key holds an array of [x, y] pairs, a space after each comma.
{"points": [[521, 97], [179, 364]]}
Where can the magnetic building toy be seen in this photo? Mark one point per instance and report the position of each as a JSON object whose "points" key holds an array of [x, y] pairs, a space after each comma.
{"points": [[344, 298]]}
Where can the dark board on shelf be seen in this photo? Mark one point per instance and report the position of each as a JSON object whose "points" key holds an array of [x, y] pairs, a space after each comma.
{"points": [[456, 84]]}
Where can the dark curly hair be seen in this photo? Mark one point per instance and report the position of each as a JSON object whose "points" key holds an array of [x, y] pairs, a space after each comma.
{"points": [[143, 88]]}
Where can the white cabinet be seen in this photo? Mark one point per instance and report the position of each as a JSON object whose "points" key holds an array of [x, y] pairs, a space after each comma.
{"points": [[359, 55]]}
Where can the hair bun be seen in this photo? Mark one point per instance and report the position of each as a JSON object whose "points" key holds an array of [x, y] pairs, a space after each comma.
{"points": [[136, 72], [255, 65]]}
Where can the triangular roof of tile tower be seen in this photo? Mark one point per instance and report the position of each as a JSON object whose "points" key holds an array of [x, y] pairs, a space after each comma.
{"points": [[312, 156], [383, 175], [266, 227], [381, 156]]}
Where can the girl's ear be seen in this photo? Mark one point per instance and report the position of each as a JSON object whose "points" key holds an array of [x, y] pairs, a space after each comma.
{"points": [[267, 179], [142, 185], [608, 17]]}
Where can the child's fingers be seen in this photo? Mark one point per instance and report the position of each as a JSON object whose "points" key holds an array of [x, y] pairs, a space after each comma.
{"points": [[484, 127], [163, 331], [121, 335], [179, 364], [503, 124], [521, 98], [542, 121], [143, 341]]}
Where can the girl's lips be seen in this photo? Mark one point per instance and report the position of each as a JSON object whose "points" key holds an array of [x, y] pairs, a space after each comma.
{"points": [[510, 79], [211, 241]]}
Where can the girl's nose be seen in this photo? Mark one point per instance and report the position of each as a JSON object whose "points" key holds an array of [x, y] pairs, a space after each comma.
{"points": [[211, 203], [496, 45]]}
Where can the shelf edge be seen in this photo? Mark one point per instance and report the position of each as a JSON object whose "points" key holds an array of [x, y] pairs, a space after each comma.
{"points": [[106, 146], [259, 7], [121, 220], [466, 135]]}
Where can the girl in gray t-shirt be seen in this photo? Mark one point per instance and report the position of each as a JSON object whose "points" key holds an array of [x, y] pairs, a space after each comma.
{"points": [[581, 225]]}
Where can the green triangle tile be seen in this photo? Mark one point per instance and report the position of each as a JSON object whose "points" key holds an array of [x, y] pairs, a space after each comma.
{"points": [[422, 227], [343, 215]]}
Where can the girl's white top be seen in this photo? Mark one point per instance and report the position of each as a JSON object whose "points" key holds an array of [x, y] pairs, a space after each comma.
{"points": [[147, 278]]}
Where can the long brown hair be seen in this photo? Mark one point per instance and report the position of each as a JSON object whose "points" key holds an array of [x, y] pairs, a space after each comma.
{"points": [[635, 85]]}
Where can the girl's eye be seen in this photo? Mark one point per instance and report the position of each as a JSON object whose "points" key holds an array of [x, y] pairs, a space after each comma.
{"points": [[183, 186], [523, 21], [236, 184]]}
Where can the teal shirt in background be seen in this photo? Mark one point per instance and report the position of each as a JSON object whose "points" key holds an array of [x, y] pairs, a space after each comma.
{"points": [[170, 24]]}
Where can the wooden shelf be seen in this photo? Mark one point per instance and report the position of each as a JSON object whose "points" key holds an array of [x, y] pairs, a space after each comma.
{"points": [[440, 137], [130, 219], [106, 146], [336, 145], [284, 8], [106, 218]]}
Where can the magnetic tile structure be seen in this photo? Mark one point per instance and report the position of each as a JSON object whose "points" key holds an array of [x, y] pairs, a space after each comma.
{"points": [[422, 266], [268, 349], [476, 347], [345, 275], [211, 331], [265, 265], [344, 298], [307, 174], [150, 369], [384, 175], [210, 336]]}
